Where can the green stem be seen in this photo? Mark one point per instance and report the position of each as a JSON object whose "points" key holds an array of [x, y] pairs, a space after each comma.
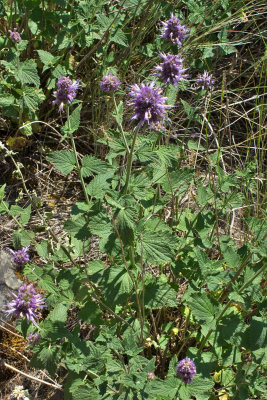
{"points": [[130, 161], [120, 126], [76, 159], [229, 303]]}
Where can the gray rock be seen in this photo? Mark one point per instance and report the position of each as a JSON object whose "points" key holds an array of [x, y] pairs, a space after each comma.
{"points": [[8, 281]]}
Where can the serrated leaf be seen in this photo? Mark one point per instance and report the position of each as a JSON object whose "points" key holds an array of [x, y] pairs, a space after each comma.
{"points": [[74, 121], [99, 185], [27, 73], [86, 392], [203, 307], [120, 38], [77, 228], [59, 313], [45, 56], [6, 100], [91, 313], [64, 160], [159, 294], [31, 98], [47, 284], [92, 165], [23, 213], [157, 247], [47, 358]]}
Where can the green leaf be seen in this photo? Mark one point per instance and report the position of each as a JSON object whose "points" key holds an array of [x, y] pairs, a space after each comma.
{"points": [[2, 9], [91, 313], [156, 247], [118, 113], [45, 56], [86, 392], [31, 98], [27, 73], [120, 38], [99, 185], [172, 92], [203, 307], [77, 228], [47, 358], [59, 313], [23, 213], [177, 181], [74, 122], [158, 293], [47, 284], [22, 238], [6, 100], [257, 331], [92, 165], [64, 160]]}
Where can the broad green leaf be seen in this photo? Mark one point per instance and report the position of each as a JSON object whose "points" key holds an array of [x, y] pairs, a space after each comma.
{"points": [[23, 213], [64, 160], [31, 98], [120, 38], [47, 358], [22, 238], [6, 100], [27, 73], [86, 392], [91, 313], [59, 313], [74, 121], [203, 307], [45, 56], [156, 247], [177, 181], [99, 185], [158, 293], [92, 165], [77, 228]]}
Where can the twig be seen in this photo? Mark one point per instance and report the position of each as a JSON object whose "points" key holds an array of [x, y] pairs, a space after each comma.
{"points": [[59, 387]]}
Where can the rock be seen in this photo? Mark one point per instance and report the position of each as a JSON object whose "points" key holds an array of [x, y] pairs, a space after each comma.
{"points": [[8, 281]]}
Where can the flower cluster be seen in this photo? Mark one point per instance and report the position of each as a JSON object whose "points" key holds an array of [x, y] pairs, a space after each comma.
{"points": [[171, 69], [19, 393], [110, 83], [27, 303], [149, 105], [34, 338], [66, 91], [205, 80], [14, 36], [20, 257], [174, 31], [186, 369]]}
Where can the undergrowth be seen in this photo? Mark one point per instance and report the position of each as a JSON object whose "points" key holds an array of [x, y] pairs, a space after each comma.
{"points": [[136, 195]]}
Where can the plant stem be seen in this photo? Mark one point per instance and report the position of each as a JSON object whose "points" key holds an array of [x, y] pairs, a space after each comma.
{"points": [[120, 126], [76, 159], [130, 161]]}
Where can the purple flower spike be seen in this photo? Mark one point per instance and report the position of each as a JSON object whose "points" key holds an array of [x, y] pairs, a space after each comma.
{"points": [[26, 303], [205, 80], [171, 69], [149, 105], [110, 83], [14, 36], [34, 338], [66, 91], [173, 30], [186, 369], [20, 257]]}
